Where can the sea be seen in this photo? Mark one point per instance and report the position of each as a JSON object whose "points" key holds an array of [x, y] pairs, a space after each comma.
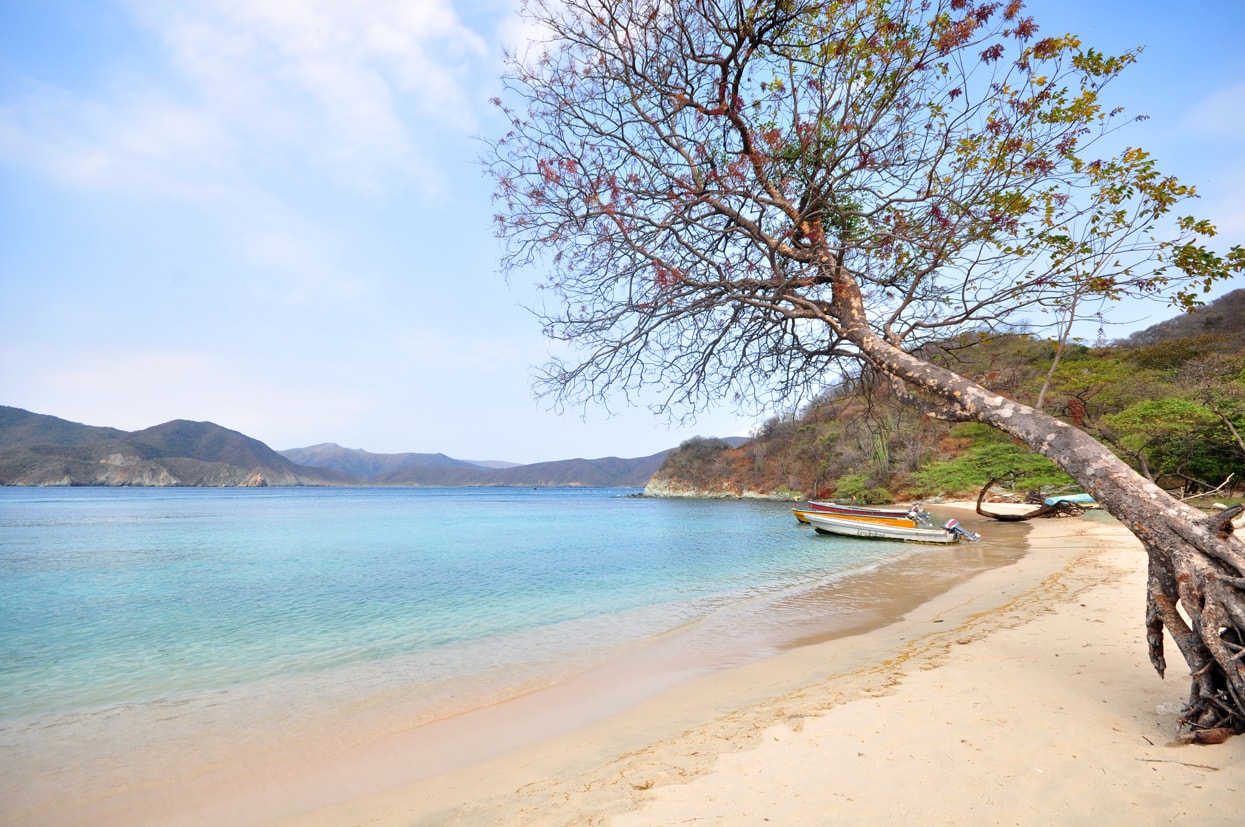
{"points": [[203, 621]]}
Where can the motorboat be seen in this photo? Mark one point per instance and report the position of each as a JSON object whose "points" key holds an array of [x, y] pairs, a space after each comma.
{"points": [[950, 532]]}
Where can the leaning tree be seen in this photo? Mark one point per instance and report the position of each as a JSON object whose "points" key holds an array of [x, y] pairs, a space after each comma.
{"points": [[739, 197]]}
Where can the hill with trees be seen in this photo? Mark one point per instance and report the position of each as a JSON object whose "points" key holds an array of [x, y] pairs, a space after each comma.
{"points": [[1170, 400]]}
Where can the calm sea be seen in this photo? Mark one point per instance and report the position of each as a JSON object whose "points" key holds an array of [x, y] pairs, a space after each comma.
{"points": [[122, 610]]}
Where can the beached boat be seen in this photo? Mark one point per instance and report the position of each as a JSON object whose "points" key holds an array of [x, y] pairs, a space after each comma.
{"points": [[914, 515], [840, 510], [905, 521], [951, 532]]}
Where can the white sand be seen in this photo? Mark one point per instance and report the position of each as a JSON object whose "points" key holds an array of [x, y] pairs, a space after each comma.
{"points": [[1023, 696]]}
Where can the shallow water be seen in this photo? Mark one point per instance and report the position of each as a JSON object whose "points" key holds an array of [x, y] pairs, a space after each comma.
{"points": [[149, 633]]}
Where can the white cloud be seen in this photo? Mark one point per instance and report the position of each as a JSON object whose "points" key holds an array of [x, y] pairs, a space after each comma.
{"points": [[263, 95], [267, 128], [139, 141], [1220, 115], [355, 89]]}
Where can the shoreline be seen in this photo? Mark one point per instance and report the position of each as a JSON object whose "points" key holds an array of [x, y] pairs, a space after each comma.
{"points": [[690, 725], [1023, 694], [260, 752]]}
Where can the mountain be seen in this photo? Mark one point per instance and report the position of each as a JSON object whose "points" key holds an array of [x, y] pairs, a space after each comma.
{"points": [[607, 472], [438, 469], [20, 428], [364, 464], [36, 449]]}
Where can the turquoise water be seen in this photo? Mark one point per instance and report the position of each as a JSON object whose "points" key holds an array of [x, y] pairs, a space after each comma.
{"points": [[115, 596], [166, 653]]}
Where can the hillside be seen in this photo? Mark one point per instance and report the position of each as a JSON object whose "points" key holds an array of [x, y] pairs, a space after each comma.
{"points": [[607, 472], [1169, 400], [19, 428], [37, 449], [1223, 317], [441, 470], [364, 464]]}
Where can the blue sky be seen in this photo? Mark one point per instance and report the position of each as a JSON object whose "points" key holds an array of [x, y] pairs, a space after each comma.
{"points": [[268, 214]]}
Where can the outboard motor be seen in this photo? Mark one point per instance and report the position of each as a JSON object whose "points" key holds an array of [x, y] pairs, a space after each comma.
{"points": [[918, 515], [953, 525]]}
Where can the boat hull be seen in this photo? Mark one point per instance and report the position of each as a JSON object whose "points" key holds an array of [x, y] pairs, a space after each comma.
{"points": [[899, 522], [829, 524], [857, 510]]}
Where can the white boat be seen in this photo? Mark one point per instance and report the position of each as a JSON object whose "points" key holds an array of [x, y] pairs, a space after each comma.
{"points": [[912, 515], [843, 510], [912, 519], [951, 532]]}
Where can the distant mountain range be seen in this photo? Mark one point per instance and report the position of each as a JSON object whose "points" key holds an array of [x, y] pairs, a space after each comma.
{"points": [[438, 469], [37, 449], [364, 464]]}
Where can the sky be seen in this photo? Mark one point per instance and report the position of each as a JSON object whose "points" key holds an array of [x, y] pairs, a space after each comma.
{"points": [[269, 214]]}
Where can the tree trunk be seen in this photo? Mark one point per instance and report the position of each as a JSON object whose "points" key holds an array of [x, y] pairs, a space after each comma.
{"points": [[1194, 561], [1059, 509]]}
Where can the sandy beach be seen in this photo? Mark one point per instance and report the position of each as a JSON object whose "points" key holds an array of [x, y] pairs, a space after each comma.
{"points": [[1022, 696], [1000, 682]]}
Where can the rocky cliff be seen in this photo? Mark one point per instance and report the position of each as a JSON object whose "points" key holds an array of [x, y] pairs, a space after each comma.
{"points": [[663, 486]]}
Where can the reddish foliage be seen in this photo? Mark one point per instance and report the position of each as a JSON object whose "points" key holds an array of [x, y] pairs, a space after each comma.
{"points": [[665, 276], [983, 13], [1025, 29], [1039, 165], [1076, 412], [959, 33], [1046, 48], [548, 170]]}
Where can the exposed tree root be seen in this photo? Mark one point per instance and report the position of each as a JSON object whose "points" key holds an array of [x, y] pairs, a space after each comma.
{"points": [[1059, 509], [1196, 592], [1208, 584]]}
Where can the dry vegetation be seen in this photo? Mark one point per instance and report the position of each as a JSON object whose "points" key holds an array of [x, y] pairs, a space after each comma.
{"points": [[1170, 400]]}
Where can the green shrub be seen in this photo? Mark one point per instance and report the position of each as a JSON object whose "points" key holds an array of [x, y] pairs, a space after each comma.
{"points": [[1014, 467]]}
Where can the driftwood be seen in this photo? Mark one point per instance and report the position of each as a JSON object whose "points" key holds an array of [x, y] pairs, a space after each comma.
{"points": [[1059, 509]]}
